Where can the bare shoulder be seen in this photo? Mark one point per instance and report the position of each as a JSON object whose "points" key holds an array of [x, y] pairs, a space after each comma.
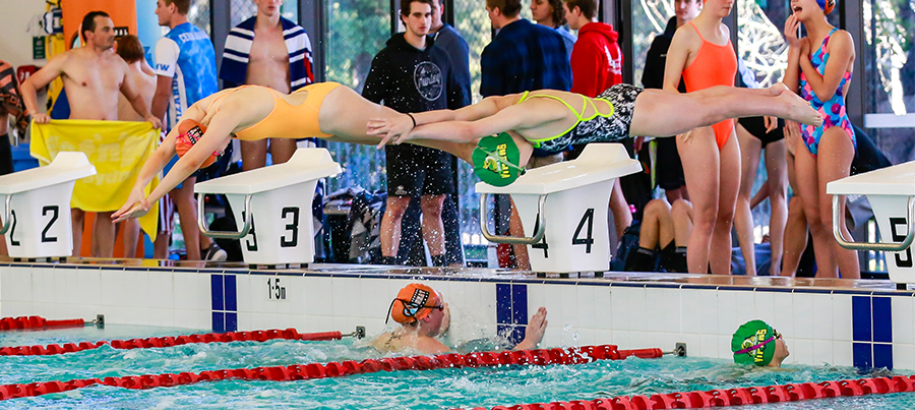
{"points": [[429, 345], [686, 34], [841, 38]]}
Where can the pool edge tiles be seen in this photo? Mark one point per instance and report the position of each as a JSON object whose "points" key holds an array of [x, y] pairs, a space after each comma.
{"points": [[821, 324]]}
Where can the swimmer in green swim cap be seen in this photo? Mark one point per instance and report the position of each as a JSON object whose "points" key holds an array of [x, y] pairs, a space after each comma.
{"points": [[755, 342]]}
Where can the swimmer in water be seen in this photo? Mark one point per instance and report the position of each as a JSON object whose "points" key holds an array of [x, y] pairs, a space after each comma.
{"points": [[757, 343], [424, 316]]}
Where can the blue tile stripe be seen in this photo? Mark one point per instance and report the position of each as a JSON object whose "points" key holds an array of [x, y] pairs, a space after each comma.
{"points": [[511, 311], [224, 295], [872, 332]]}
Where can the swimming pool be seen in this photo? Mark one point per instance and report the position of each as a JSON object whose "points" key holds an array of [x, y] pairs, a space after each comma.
{"points": [[435, 389]]}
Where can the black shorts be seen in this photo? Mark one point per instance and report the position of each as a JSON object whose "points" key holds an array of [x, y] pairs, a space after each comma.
{"points": [[756, 126], [416, 171], [6, 155], [668, 168]]}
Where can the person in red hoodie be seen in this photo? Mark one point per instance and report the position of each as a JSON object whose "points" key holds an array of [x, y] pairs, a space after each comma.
{"points": [[597, 61], [597, 64]]}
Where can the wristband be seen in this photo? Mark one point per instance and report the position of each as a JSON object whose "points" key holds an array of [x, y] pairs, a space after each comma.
{"points": [[414, 119]]}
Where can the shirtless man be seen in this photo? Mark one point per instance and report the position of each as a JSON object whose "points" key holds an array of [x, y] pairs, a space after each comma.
{"points": [[424, 316], [93, 77], [274, 61]]}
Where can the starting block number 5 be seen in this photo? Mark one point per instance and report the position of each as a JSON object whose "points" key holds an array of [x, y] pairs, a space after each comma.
{"points": [[588, 240], [902, 263]]}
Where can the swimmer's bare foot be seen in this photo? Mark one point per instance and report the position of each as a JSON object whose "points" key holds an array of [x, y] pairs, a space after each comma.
{"points": [[800, 110], [778, 88]]}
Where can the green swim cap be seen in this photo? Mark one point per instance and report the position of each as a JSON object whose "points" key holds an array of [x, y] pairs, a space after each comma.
{"points": [[495, 160], [753, 343]]}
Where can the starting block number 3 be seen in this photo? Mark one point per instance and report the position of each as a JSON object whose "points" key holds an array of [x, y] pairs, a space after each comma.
{"points": [[288, 240], [588, 240], [53, 210]]}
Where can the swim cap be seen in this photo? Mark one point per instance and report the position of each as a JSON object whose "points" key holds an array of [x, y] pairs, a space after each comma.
{"points": [[827, 5], [414, 302], [189, 132], [495, 160], [753, 343]]}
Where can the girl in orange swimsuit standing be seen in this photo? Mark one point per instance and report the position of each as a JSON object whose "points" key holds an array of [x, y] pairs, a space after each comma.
{"points": [[819, 69], [701, 52]]}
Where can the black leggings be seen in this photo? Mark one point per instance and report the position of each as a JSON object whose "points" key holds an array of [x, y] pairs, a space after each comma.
{"points": [[6, 155]]}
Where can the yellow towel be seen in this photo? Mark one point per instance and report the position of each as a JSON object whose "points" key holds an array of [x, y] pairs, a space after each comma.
{"points": [[118, 149]]}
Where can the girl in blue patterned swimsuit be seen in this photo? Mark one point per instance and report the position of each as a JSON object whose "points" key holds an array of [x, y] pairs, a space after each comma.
{"points": [[819, 69]]}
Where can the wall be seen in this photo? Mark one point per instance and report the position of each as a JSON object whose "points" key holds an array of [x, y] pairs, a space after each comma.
{"points": [[864, 328]]}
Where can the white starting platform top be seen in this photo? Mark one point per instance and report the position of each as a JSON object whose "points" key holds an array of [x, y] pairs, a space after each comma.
{"points": [[305, 164], [597, 162], [898, 180], [66, 167]]}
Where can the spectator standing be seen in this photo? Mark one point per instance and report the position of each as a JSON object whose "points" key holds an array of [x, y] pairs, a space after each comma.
{"points": [[131, 50], [274, 52], [186, 70], [93, 76], [667, 167], [412, 75], [551, 13]]}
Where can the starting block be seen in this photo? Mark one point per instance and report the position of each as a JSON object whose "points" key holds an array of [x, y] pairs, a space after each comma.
{"points": [[563, 208], [891, 193], [278, 200], [35, 207]]}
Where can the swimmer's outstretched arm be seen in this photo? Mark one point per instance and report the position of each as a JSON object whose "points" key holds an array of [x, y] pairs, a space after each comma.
{"points": [[215, 139], [510, 118], [402, 124]]}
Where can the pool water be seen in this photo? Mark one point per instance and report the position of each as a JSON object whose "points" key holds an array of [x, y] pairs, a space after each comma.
{"points": [[437, 389]]}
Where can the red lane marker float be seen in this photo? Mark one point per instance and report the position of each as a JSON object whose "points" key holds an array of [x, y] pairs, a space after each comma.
{"points": [[735, 397], [151, 342], [539, 357], [37, 322]]}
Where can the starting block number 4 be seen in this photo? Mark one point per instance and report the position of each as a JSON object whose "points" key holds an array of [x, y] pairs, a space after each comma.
{"points": [[586, 223]]}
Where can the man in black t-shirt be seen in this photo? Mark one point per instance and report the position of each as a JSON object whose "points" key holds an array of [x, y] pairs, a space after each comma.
{"points": [[410, 75]]}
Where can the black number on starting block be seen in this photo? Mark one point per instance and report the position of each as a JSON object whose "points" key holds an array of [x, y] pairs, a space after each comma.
{"points": [[55, 210], [293, 228], [542, 244], [588, 240], [907, 263], [13, 241], [252, 246]]}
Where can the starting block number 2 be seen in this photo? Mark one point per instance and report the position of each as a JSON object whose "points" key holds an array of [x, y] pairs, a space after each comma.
{"points": [[588, 240], [289, 240], [53, 210]]}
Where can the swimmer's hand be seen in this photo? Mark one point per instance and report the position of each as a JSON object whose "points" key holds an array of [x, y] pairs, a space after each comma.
{"points": [[771, 123], [791, 26], [391, 130], [135, 207], [155, 121], [535, 329]]}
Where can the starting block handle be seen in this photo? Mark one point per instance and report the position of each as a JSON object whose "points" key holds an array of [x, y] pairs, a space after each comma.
{"points": [[838, 219], [538, 235], [201, 221], [7, 215]]}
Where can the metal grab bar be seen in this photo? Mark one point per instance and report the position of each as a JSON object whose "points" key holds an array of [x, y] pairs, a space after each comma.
{"points": [[538, 235], [201, 221], [7, 216], [879, 246]]}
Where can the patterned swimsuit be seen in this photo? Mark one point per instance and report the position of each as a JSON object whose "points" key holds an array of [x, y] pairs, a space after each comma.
{"points": [[600, 127], [832, 110]]}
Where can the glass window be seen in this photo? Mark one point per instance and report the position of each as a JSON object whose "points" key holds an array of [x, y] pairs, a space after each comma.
{"points": [[890, 67], [199, 15], [649, 18], [244, 9], [356, 31]]}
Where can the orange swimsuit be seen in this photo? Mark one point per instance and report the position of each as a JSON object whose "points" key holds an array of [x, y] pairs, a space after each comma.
{"points": [[287, 120], [713, 65]]}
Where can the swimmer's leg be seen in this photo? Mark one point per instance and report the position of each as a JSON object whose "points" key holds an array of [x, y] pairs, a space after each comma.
{"points": [[661, 114]]}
